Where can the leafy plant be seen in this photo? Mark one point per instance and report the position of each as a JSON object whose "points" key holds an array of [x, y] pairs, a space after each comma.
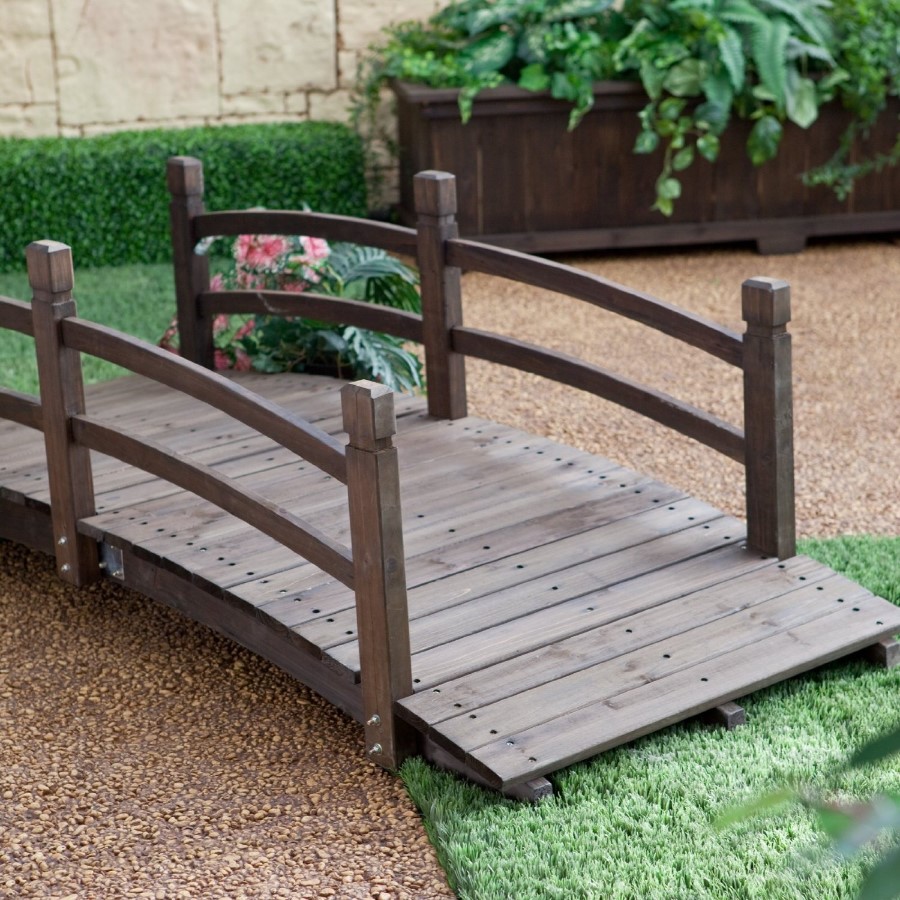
{"points": [[294, 344], [852, 827], [700, 62]]}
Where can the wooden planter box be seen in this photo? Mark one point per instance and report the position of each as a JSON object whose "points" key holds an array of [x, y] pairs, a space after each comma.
{"points": [[526, 182]]}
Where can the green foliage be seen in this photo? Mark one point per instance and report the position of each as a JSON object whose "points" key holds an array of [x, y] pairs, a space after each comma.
{"points": [[279, 344], [106, 195], [700, 62]]}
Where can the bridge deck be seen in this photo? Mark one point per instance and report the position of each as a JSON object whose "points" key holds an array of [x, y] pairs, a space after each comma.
{"points": [[559, 604]]}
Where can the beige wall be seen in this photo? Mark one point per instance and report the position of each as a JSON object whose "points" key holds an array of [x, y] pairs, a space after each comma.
{"points": [[74, 67]]}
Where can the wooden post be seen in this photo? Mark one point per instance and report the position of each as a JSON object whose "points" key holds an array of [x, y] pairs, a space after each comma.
{"points": [[769, 417], [52, 278], [184, 176], [376, 530], [445, 371]]}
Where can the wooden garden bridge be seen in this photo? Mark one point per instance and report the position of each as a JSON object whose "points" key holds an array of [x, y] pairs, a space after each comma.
{"points": [[502, 603]]}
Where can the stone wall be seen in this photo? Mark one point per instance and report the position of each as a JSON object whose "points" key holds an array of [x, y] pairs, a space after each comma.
{"points": [[76, 67]]}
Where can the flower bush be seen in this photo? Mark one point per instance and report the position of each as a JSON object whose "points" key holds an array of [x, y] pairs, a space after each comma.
{"points": [[295, 264]]}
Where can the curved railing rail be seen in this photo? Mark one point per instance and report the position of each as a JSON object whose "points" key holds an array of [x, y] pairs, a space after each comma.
{"points": [[230, 223], [680, 416], [24, 409], [270, 419], [310, 305], [685, 326], [264, 515]]}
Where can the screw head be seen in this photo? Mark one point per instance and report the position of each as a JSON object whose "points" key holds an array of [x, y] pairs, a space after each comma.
{"points": [[65, 567], [374, 720], [63, 541], [375, 749]]}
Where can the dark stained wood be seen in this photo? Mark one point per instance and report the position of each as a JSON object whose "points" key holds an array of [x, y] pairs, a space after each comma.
{"points": [[769, 417], [51, 277], [561, 367], [16, 315], [184, 177], [528, 183], [287, 529], [373, 490], [393, 238], [552, 276], [225, 394], [728, 715], [315, 306], [22, 408], [26, 524], [445, 370], [886, 653]]}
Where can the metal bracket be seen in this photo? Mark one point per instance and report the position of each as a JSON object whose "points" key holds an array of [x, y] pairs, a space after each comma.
{"points": [[111, 560]]}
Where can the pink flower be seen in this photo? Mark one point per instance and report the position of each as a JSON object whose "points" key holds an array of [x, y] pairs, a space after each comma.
{"points": [[242, 362], [220, 323], [249, 280], [260, 251], [316, 248], [217, 283], [294, 286], [221, 360], [244, 330]]}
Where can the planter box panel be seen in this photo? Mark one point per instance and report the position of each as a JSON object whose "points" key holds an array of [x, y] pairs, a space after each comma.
{"points": [[524, 180]]}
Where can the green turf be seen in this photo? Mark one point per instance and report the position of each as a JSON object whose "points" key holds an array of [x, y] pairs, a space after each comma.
{"points": [[137, 299], [637, 822]]}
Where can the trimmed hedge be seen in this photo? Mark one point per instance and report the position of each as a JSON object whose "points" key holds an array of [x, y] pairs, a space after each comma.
{"points": [[106, 195]]}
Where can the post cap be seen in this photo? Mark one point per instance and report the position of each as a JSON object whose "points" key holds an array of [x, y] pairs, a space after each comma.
{"points": [[184, 176], [368, 409], [435, 193], [50, 267], [766, 301]]}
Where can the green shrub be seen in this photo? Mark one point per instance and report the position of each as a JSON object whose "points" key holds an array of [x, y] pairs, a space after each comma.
{"points": [[106, 195]]}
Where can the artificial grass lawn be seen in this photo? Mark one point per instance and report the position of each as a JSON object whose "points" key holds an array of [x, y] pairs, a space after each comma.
{"points": [[637, 823]]}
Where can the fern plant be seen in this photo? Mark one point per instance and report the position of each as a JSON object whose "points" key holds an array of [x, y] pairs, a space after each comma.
{"points": [[701, 62]]}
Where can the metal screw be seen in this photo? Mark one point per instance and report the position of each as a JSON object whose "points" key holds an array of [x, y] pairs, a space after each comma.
{"points": [[375, 749], [374, 720], [65, 567], [62, 541]]}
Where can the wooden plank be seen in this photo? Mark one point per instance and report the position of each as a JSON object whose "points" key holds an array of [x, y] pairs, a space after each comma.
{"points": [[672, 698], [553, 607], [522, 581], [625, 632], [626, 671]]}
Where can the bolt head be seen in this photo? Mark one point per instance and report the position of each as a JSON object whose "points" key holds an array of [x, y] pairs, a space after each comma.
{"points": [[62, 541], [375, 749], [65, 567]]}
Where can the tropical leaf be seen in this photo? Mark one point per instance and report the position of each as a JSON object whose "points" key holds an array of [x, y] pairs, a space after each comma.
{"points": [[741, 12], [765, 136], [878, 749], [732, 49], [768, 44], [576, 9], [806, 16], [801, 101], [490, 54], [883, 880]]}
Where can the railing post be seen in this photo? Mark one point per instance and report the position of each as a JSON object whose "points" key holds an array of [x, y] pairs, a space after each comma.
{"points": [[445, 372], [769, 417], [52, 278], [376, 530], [184, 176]]}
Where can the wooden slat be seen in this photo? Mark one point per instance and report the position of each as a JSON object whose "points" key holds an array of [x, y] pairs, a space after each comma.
{"points": [[310, 305], [394, 238], [552, 276], [282, 426], [262, 514], [748, 581], [672, 698], [561, 367]]}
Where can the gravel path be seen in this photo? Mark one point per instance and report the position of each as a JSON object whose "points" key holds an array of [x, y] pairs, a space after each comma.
{"points": [[144, 756]]}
